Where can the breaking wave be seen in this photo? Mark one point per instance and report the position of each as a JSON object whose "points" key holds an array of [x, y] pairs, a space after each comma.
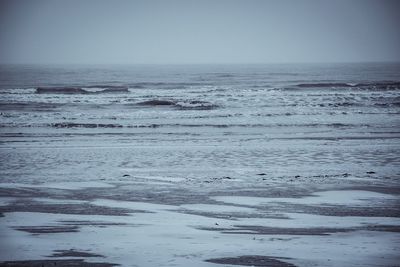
{"points": [[167, 85], [181, 105], [319, 85], [195, 105], [372, 85], [80, 90]]}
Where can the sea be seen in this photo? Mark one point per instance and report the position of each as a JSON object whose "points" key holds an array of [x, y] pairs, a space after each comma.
{"points": [[193, 123]]}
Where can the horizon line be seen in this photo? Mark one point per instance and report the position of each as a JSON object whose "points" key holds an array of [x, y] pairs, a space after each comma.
{"points": [[204, 63]]}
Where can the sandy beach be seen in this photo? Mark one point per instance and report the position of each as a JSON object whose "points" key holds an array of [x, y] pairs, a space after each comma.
{"points": [[220, 221]]}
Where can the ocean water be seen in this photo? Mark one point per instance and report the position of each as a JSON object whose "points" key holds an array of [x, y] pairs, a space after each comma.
{"points": [[200, 122]]}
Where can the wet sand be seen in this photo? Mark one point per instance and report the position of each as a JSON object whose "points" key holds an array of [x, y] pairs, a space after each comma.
{"points": [[252, 261], [52, 263], [178, 223]]}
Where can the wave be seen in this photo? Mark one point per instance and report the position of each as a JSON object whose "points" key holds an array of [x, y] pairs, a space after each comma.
{"points": [[100, 125], [80, 90], [29, 106], [181, 105], [379, 84], [115, 88], [195, 105], [85, 125], [156, 102], [167, 85], [318, 85], [340, 104], [105, 86], [187, 125], [221, 75], [60, 90], [385, 105], [373, 85]]}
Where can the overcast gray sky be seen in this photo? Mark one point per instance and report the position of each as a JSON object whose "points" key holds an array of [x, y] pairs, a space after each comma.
{"points": [[207, 31]]}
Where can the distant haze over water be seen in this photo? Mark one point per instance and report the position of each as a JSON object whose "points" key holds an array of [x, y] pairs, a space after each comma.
{"points": [[181, 31]]}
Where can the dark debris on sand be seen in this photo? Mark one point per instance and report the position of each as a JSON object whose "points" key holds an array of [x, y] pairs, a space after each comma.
{"points": [[253, 261]]}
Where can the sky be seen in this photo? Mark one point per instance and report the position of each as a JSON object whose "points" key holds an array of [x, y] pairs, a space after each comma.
{"points": [[198, 32]]}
